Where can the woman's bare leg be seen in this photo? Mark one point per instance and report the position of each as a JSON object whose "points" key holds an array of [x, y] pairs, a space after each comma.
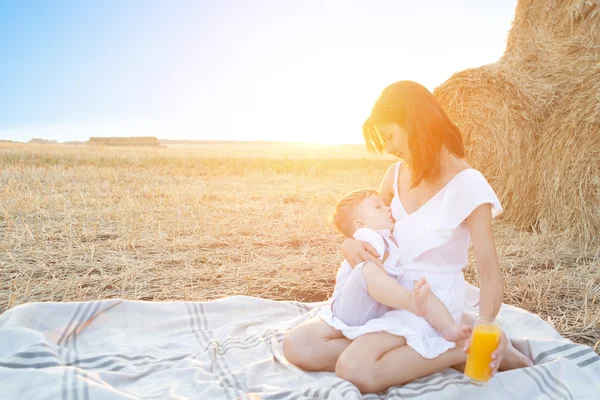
{"points": [[376, 361], [314, 346]]}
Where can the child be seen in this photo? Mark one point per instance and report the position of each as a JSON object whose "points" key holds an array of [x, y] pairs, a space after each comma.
{"points": [[363, 215]]}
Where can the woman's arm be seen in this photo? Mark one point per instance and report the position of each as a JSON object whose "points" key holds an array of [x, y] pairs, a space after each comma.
{"points": [[357, 251], [484, 246]]}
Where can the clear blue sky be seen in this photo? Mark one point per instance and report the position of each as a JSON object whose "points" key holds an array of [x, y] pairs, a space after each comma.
{"points": [[225, 69]]}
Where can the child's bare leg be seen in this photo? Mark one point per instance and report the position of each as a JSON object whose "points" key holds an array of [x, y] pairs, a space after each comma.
{"points": [[420, 297], [385, 290], [439, 317]]}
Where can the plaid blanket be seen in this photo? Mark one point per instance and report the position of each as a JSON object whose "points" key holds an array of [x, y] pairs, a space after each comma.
{"points": [[231, 349]]}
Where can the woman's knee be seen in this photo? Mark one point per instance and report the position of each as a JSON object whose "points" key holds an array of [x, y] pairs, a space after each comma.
{"points": [[300, 343], [294, 348], [357, 372]]}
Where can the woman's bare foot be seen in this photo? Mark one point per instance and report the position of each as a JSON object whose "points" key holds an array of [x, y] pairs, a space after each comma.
{"points": [[455, 332], [418, 300], [513, 359]]}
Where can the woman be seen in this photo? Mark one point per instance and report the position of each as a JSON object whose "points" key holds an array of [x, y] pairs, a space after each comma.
{"points": [[408, 122]]}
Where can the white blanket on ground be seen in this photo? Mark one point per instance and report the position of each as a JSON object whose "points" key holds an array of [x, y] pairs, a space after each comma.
{"points": [[231, 348]]}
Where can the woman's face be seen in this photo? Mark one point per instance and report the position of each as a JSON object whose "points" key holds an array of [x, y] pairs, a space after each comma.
{"points": [[396, 140]]}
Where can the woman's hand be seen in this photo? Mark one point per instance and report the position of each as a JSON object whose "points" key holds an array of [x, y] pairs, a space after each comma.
{"points": [[356, 252], [497, 355]]}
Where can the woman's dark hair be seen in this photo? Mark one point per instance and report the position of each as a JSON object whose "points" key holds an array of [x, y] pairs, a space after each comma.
{"points": [[415, 109]]}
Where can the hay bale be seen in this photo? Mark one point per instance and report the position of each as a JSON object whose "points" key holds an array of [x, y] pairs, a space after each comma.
{"points": [[531, 121], [543, 28], [499, 122], [551, 44], [568, 163]]}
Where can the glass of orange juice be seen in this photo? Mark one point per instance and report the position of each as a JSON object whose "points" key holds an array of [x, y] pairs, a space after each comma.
{"points": [[486, 337]]}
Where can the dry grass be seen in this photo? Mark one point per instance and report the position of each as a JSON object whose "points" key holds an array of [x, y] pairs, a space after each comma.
{"points": [[189, 223]]}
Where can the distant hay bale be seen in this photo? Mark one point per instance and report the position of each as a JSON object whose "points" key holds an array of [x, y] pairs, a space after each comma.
{"points": [[140, 141], [531, 121], [42, 141], [498, 121]]}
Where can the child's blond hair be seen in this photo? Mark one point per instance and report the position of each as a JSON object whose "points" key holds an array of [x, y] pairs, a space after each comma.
{"points": [[343, 216]]}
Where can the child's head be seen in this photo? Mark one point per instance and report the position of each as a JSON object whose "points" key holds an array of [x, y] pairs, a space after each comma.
{"points": [[361, 208]]}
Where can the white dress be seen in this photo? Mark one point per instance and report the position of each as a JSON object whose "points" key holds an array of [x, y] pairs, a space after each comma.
{"points": [[433, 242]]}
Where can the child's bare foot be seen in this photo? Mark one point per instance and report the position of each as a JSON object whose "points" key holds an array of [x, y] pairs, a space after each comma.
{"points": [[455, 332], [420, 294]]}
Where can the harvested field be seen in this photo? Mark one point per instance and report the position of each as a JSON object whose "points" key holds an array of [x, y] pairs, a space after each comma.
{"points": [[203, 222]]}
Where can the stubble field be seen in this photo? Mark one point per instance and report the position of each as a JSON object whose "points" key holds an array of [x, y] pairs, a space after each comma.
{"points": [[207, 221]]}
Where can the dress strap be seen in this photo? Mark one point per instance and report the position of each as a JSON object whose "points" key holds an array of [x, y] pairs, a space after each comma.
{"points": [[386, 239], [395, 186]]}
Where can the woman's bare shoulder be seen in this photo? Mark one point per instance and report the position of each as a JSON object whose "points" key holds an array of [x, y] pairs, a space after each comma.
{"points": [[387, 184], [390, 173], [458, 167], [461, 164]]}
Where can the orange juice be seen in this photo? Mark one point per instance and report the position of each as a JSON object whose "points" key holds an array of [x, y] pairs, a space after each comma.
{"points": [[486, 337]]}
